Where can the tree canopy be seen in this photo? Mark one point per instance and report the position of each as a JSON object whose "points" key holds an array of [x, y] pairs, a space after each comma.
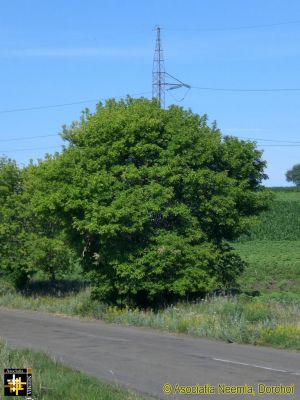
{"points": [[293, 175], [150, 198]]}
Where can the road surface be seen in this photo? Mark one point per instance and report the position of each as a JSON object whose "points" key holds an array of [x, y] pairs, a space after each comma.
{"points": [[144, 360]]}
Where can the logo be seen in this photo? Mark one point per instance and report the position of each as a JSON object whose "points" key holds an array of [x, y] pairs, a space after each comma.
{"points": [[18, 382]]}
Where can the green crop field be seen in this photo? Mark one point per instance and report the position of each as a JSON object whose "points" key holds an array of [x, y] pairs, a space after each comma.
{"points": [[272, 250]]}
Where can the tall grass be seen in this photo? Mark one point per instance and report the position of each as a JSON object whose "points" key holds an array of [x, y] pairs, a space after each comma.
{"points": [[232, 319], [241, 319]]}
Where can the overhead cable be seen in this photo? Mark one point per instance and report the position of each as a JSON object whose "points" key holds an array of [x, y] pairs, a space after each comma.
{"points": [[233, 28], [247, 89], [65, 104]]}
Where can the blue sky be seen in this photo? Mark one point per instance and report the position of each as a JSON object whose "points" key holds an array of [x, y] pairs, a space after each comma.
{"points": [[71, 51]]}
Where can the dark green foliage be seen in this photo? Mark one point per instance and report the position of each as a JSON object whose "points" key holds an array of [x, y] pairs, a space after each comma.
{"points": [[293, 175], [59, 288], [149, 198]]}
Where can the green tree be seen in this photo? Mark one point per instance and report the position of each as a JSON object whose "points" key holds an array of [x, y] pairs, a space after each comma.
{"points": [[150, 199], [47, 244], [13, 265], [29, 241], [293, 175]]}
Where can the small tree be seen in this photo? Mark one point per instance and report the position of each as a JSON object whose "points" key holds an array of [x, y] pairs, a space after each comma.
{"points": [[29, 241], [13, 264], [293, 175]]}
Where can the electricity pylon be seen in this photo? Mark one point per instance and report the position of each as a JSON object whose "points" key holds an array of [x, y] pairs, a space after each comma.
{"points": [[159, 84]]}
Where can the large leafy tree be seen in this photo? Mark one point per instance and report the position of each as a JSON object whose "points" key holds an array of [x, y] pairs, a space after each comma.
{"points": [[150, 199], [293, 175]]}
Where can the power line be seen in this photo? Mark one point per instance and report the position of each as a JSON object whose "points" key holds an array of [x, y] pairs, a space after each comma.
{"points": [[59, 147], [148, 92], [267, 140], [279, 145], [64, 104], [47, 106], [27, 137], [233, 28], [29, 149], [224, 134], [246, 89]]}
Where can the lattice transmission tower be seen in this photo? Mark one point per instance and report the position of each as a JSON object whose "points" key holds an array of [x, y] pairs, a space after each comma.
{"points": [[159, 84]]}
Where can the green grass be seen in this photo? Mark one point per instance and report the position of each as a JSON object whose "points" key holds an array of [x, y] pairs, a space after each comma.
{"points": [[54, 381]]}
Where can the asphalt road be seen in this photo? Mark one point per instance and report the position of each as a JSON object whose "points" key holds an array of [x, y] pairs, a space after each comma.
{"points": [[144, 360]]}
